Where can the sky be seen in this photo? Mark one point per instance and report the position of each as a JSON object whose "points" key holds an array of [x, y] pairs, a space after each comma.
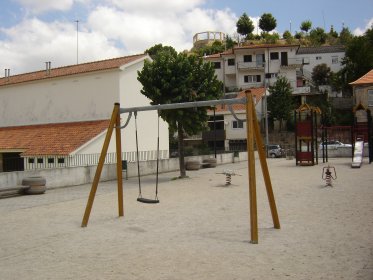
{"points": [[35, 31]]}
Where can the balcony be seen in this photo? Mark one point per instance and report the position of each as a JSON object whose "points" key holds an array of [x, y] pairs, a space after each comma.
{"points": [[291, 63], [209, 135], [247, 66]]}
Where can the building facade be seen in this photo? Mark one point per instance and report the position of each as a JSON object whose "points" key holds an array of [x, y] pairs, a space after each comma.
{"points": [[78, 93], [256, 66]]}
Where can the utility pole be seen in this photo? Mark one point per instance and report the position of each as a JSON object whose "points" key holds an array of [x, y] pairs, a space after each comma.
{"points": [[77, 41]]}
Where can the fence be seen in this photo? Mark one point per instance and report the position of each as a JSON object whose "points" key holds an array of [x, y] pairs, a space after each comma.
{"points": [[47, 162]]}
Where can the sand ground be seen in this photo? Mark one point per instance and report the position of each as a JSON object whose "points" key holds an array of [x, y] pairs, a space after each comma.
{"points": [[200, 229]]}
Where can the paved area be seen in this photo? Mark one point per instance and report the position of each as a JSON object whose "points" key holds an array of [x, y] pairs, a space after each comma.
{"points": [[199, 230]]}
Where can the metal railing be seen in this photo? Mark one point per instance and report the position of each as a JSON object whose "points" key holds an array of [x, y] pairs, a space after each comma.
{"points": [[47, 162]]}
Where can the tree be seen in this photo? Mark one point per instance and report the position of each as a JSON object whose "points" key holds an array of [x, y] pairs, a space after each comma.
{"points": [[267, 22], [175, 78], [318, 36], [244, 25], [287, 36], [280, 100], [345, 36], [358, 59], [306, 25], [153, 51], [321, 74]]}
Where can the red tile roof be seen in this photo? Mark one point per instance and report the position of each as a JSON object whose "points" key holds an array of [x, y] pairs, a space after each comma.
{"points": [[264, 46], [366, 79], [50, 139], [257, 92], [70, 70], [256, 46]]}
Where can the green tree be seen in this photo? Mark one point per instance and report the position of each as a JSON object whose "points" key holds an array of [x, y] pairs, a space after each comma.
{"points": [[280, 100], [318, 36], [153, 51], [321, 74], [287, 36], [306, 25], [245, 25], [267, 22], [171, 78], [345, 36], [358, 59]]}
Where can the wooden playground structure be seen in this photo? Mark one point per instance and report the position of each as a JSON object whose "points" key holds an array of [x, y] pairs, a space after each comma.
{"points": [[253, 136]]}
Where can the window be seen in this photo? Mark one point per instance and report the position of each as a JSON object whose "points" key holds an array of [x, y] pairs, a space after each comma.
{"points": [[40, 160], [61, 160], [50, 160], [252, 79], [318, 57], [230, 61], [274, 56], [334, 59], [370, 97], [237, 124], [247, 58], [217, 65], [31, 160]]}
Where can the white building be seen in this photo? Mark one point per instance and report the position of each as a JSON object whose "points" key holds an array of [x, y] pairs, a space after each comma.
{"points": [[332, 56], [256, 66], [83, 93], [230, 132]]}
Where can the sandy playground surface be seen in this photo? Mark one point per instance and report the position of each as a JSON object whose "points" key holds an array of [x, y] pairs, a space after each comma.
{"points": [[200, 229]]}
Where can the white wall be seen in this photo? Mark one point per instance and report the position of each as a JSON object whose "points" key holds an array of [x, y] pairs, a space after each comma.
{"points": [[325, 58], [64, 99], [147, 122]]}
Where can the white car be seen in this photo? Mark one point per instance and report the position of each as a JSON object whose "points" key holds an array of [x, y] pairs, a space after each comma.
{"points": [[333, 145]]}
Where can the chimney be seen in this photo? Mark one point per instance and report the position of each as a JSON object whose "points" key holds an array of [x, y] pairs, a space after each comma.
{"points": [[7, 74], [47, 68]]}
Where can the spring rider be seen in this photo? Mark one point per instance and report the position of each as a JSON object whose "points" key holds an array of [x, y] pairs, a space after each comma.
{"points": [[329, 174]]}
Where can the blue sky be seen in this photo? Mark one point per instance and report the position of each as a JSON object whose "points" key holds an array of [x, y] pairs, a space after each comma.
{"points": [[35, 31]]}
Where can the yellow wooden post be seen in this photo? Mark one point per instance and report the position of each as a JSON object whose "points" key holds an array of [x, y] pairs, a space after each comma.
{"points": [[264, 166], [251, 168], [119, 163], [100, 165]]}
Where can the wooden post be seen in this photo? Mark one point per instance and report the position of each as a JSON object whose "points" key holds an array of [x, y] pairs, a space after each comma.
{"points": [[251, 168], [100, 165], [119, 163], [264, 166]]}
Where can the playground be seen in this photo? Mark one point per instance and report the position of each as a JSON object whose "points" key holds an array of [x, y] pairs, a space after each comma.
{"points": [[200, 229]]}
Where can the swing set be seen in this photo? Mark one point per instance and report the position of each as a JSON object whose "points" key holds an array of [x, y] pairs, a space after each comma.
{"points": [[252, 135]]}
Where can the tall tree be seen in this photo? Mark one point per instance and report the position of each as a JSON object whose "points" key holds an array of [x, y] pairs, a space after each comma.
{"points": [[358, 59], [267, 22], [280, 100], [321, 74], [153, 51], [245, 25], [171, 78], [345, 36], [318, 36], [306, 25]]}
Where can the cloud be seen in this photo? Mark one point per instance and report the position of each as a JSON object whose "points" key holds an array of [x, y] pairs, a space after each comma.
{"points": [[114, 28], [360, 31], [138, 31], [40, 6], [32, 42]]}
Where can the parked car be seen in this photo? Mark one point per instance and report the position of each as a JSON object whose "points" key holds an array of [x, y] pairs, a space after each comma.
{"points": [[275, 151], [333, 145]]}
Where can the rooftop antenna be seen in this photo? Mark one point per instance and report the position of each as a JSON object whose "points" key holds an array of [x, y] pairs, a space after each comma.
{"points": [[77, 41], [323, 18]]}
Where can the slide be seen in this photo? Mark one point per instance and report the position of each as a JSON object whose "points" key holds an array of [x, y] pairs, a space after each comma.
{"points": [[358, 154]]}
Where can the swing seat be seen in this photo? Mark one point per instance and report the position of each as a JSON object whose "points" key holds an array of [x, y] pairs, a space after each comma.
{"points": [[147, 200]]}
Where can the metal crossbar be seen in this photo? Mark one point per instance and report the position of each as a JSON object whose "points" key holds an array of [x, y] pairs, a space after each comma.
{"points": [[184, 105]]}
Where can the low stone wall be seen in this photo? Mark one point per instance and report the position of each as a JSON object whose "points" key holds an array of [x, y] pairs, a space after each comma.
{"points": [[72, 176]]}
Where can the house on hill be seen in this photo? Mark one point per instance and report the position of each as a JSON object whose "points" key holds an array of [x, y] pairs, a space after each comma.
{"points": [[51, 115], [256, 66], [228, 128]]}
